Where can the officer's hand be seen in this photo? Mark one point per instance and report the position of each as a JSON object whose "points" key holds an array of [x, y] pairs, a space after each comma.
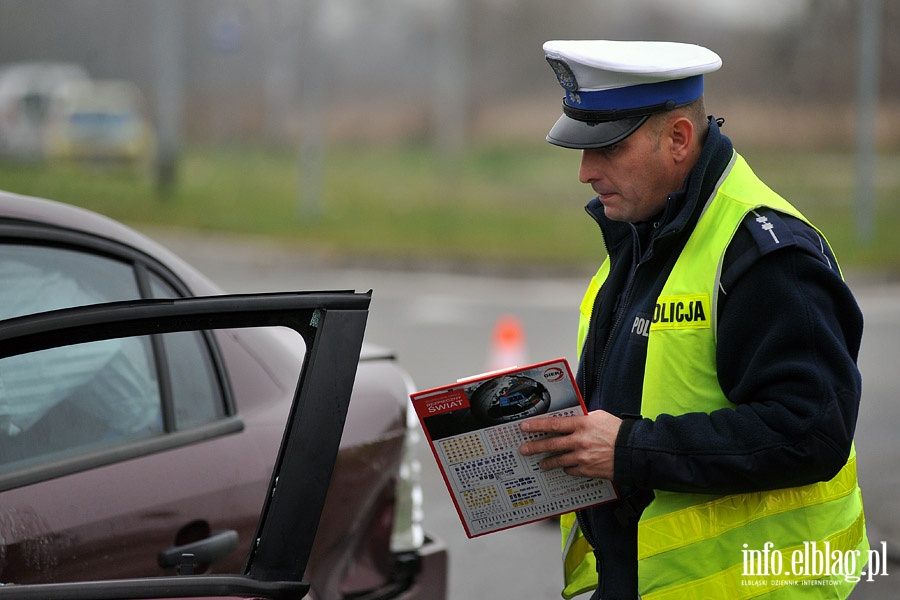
{"points": [[585, 445]]}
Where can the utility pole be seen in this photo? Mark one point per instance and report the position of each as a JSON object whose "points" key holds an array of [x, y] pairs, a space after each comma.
{"points": [[167, 55], [451, 95], [868, 70], [314, 61]]}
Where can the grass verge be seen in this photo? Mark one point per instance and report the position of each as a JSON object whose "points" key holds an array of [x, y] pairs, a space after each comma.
{"points": [[510, 205]]}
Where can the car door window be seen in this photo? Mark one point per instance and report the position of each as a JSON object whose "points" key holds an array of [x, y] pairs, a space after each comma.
{"points": [[40, 278], [71, 399], [196, 391], [76, 399]]}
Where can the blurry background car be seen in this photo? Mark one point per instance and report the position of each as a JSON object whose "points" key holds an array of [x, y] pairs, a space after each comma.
{"points": [[117, 460], [27, 92], [100, 120]]}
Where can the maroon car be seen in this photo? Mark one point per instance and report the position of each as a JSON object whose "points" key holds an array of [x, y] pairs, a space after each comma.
{"points": [[137, 457]]}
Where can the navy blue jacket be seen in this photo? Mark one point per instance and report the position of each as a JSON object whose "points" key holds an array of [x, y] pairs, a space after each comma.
{"points": [[788, 339]]}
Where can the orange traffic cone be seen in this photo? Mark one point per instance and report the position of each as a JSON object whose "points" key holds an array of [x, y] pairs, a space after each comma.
{"points": [[507, 344]]}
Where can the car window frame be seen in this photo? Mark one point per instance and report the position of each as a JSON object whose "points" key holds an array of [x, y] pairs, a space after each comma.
{"points": [[144, 272], [333, 325], [143, 266]]}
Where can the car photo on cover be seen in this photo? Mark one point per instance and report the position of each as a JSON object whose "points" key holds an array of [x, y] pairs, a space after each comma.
{"points": [[142, 414]]}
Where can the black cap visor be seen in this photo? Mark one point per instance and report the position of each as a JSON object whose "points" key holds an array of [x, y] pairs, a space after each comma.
{"points": [[581, 135]]}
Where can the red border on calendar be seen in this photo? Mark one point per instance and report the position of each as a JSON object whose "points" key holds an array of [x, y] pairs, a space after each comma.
{"points": [[473, 431]]}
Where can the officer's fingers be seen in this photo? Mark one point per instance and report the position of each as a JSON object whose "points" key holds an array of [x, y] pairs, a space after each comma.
{"points": [[559, 442], [540, 446], [556, 460], [549, 425], [567, 461]]}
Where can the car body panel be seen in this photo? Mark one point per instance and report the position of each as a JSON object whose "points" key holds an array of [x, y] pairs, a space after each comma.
{"points": [[100, 120], [61, 528], [28, 91]]}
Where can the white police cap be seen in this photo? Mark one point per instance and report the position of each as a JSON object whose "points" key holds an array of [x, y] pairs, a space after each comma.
{"points": [[613, 87]]}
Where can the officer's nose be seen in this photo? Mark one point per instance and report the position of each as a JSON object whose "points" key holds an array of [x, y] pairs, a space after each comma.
{"points": [[590, 166]]}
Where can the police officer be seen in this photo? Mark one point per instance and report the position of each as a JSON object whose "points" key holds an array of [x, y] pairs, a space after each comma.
{"points": [[717, 344]]}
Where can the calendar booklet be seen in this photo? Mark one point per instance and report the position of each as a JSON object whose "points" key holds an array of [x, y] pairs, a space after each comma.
{"points": [[472, 427]]}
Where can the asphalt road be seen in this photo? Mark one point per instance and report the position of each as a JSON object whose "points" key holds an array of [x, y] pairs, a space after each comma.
{"points": [[441, 326]]}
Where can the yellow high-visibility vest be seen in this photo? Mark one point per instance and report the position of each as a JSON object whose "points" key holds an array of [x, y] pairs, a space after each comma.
{"points": [[696, 546]]}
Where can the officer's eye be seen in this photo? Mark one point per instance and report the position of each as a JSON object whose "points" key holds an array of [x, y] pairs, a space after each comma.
{"points": [[611, 149]]}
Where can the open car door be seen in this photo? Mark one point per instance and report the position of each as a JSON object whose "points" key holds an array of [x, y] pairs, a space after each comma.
{"points": [[332, 325]]}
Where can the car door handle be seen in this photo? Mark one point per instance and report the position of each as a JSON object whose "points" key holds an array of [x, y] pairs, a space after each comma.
{"points": [[205, 551]]}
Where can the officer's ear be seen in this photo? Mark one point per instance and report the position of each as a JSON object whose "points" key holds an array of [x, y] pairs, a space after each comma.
{"points": [[680, 137]]}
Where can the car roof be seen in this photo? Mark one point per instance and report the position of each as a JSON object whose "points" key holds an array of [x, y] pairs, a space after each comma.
{"points": [[27, 209], [30, 209], [38, 76], [107, 95]]}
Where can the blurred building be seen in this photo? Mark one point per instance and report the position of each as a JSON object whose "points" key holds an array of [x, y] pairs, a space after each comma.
{"points": [[388, 69]]}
